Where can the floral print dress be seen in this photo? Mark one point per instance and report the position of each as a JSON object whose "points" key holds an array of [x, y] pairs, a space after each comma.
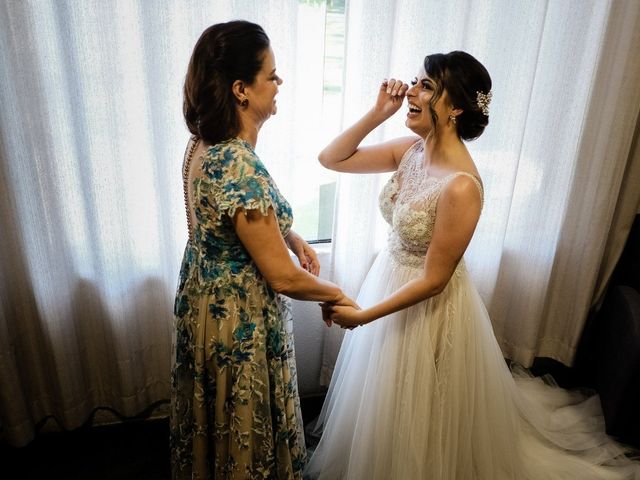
{"points": [[235, 410]]}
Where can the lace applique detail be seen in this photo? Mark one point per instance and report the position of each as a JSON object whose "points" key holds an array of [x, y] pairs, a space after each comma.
{"points": [[408, 203], [403, 255]]}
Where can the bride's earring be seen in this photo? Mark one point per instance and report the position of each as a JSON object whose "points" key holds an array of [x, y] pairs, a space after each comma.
{"points": [[452, 118]]}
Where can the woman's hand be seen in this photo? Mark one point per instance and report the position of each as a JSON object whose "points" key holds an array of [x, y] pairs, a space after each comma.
{"points": [[306, 255], [390, 97], [347, 316], [327, 307], [344, 311]]}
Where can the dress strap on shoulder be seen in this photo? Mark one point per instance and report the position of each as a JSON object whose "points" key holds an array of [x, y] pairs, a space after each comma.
{"points": [[409, 153], [475, 179]]}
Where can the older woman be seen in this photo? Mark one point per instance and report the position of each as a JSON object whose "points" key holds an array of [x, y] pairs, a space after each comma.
{"points": [[235, 407]]}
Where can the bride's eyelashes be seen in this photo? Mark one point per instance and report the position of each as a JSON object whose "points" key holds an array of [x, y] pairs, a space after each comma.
{"points": [[424, 83]]}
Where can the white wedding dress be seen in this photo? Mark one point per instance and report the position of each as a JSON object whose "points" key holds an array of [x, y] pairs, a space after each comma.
{"points": [[425, 393]]}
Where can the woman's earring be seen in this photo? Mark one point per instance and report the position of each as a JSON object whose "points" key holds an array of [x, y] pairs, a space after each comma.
{"points": [[452, 118], [245, 102]]}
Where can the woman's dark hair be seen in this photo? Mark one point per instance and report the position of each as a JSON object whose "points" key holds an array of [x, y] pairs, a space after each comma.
{"points": [[224, 53], [462, 76]]}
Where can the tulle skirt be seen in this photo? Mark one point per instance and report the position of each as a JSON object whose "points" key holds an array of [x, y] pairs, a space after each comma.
{"points": [[426, 394]]}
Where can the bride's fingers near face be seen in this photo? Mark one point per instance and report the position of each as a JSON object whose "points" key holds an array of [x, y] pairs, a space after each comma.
{"points": [[391, 86], [401, 89], [395, 87]]}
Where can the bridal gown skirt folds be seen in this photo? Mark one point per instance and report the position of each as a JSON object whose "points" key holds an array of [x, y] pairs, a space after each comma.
{"points": [[425, 394]]}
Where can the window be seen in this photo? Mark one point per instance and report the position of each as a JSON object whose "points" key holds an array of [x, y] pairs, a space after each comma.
{"points": [[316, 106]]}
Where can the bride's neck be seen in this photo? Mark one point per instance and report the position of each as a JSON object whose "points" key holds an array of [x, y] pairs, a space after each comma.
{"points": [[440, 150]]}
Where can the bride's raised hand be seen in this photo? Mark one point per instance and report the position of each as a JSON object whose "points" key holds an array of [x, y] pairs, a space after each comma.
{"points": [[390, 97]]}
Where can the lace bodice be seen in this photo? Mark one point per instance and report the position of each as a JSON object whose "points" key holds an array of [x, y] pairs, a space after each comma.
{"points": [[408, 203]]}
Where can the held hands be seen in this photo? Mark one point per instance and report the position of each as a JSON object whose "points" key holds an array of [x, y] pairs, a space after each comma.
{"points": [[390, 97], [306, 255], [344, 312]]}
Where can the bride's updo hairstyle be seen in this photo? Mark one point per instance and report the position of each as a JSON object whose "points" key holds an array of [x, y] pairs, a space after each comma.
{"points": [[224, 53], [462, 76]]}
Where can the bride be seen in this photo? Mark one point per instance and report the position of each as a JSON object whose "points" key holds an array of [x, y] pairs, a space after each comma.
{"points": [[420, 389]]}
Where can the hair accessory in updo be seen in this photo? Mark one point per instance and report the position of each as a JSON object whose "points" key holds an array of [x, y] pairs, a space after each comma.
{"points": [[483, 100]]}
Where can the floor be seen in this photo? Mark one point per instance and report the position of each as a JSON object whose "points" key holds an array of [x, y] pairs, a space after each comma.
{"points": [[139, 449], [133, 450]]}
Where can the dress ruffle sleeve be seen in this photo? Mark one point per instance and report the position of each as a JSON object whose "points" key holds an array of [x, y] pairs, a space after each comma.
{"points": [[241, 179]]}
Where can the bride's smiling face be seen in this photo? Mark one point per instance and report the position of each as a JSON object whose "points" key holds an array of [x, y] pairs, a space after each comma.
{"points": [[419, 98]]}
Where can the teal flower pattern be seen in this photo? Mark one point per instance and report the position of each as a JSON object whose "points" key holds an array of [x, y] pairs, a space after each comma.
{"points": [[235, 411]]}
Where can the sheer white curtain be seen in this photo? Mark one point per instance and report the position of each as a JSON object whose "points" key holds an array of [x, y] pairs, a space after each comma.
{"points": [[91, 218], [555, 158], [91, 141]]}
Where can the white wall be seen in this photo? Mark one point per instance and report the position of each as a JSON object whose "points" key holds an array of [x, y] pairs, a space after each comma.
{"points": [[308, 329]]}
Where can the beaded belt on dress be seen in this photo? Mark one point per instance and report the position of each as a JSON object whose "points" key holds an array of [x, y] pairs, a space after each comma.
{"points": [[411, 258], [402, 255]]}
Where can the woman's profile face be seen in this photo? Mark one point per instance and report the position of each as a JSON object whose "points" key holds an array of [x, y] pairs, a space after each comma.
{"points": [[418, 99], [262, 92]]}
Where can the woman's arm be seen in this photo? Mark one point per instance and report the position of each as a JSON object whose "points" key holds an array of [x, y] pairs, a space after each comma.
{"points": [[458, 213], [261, 236], [343, 154], [306, 255]]}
